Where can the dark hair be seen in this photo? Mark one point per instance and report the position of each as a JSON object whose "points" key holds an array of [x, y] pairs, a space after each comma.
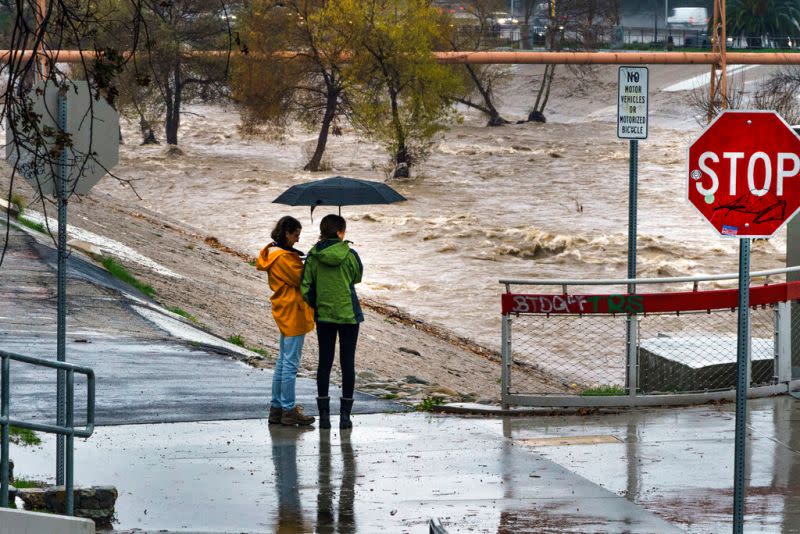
{"points": [[330, 225], [284, 226]]}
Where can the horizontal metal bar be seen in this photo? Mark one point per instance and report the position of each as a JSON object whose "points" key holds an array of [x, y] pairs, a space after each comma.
{"points": [[52, 364], [50, 429], [672, 399], [641, 281], [479, 57]]}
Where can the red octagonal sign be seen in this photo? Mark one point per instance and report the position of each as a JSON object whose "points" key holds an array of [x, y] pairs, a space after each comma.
{"points": [[744, 173]]}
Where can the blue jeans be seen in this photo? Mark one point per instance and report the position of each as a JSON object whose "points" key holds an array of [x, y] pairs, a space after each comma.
{"points": [[285, 375]]}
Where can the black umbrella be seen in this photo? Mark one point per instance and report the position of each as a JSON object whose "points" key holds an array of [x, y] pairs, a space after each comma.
{"points": [[339, 191]]}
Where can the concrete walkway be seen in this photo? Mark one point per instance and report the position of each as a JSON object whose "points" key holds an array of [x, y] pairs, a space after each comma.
{"points": [[391, 473]]}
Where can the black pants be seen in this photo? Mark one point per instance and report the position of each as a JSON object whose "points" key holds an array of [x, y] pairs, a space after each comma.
{"points": [[348, 337]]}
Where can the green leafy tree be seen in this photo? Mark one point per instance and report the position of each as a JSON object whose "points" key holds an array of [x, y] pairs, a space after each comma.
{"points": [[399, 91], [763, 17], [307, 86]]}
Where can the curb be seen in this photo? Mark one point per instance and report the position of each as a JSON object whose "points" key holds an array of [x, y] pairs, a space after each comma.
{"points": [[494, 410]]}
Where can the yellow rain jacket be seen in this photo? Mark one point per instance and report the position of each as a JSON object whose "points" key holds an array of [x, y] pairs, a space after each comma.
{"points": [[284, 271]]}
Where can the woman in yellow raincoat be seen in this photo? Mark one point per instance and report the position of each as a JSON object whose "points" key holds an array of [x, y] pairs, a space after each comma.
{"points": [[284, 266]]}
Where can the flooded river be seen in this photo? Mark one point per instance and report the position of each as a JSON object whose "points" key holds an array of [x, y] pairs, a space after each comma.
{"points": [[521, 201]]}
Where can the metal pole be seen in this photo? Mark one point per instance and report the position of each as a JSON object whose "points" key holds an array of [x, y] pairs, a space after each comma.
{"points": [[4, 400], [70, 442], [505, 366], [61, 335], [742, 349], [630, 369]]}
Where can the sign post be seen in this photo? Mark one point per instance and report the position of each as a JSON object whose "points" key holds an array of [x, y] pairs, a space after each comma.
{"points": [[742, 176], [632, 107], [92, 127]]}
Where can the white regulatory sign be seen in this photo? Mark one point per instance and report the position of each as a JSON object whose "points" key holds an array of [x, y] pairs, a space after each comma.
{"points": [[632, 103]]}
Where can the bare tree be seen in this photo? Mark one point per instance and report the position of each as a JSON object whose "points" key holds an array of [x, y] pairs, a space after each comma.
{"points": [[480, 81]]}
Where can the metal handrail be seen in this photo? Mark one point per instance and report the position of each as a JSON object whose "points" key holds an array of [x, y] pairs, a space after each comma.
{"points": [[643, 281], [67, 430]]}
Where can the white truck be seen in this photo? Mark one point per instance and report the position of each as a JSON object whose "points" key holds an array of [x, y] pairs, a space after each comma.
{"points": [[688, 17]]}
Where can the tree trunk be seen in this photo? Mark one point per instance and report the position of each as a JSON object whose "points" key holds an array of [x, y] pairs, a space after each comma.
{"points": [[401, 158], [322, 139], [173, 94], [494, 116]]}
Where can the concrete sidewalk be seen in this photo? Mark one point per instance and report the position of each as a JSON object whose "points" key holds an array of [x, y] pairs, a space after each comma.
{"points": [[391, 473], [658, 470]]}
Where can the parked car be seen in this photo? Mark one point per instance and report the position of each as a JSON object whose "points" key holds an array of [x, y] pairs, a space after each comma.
{"points": [[688, 17], [502, 19]]}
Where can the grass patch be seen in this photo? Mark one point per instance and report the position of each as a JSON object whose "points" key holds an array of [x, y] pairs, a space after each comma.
{"points": [[121, 273], [24, 436], [33, 225], [262, 352], [429, 403], [22, 483], [237, 340], [183, 313], [606, 390], [389, 396], [19, 201]]}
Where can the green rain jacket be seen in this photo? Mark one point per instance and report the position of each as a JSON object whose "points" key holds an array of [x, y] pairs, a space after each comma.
{"points": [[331, 271]]}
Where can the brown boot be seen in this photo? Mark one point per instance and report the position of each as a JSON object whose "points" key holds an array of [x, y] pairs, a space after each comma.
{"points": [[295, 417], [275, 413]]}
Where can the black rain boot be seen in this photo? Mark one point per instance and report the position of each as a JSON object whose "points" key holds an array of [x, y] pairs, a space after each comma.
{"points": [[345, 408], [324, 408]]}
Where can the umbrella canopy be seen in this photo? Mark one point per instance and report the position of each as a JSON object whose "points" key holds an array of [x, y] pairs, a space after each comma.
{"points": [[339, 191]]}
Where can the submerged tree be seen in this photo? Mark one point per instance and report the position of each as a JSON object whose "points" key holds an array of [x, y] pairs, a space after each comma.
{"points": [[480, 81], [400, 92], [180, 61], [307, 86]]}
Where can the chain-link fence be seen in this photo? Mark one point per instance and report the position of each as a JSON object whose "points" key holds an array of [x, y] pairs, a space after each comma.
{"points": [[590, 352]]}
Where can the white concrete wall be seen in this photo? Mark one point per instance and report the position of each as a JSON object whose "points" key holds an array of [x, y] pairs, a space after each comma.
{"points": [[21, 522]]}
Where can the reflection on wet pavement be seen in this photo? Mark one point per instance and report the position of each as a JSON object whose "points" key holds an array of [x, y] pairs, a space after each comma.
{"points": [[678, 463], [333, 515], [391, 473]]}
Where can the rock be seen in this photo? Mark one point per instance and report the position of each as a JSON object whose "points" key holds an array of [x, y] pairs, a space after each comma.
{"points": [[442, 390], [96, 502], [32, 497], [409, 351], [90, 249], [411, 379], [366, 376]]}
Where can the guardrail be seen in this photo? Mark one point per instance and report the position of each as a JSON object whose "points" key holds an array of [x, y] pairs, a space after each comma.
{"points": [[661, 348], [67, 430]]}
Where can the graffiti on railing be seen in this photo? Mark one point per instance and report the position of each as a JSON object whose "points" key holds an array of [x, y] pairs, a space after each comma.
{"points": [[577, 304]]}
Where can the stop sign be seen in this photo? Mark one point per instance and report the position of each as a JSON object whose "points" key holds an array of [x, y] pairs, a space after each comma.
{"points": [[744, 173], [93, 127]]}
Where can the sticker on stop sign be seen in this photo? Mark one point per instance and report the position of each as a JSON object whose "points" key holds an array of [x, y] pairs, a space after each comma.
{"points": [[744, 173]]}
